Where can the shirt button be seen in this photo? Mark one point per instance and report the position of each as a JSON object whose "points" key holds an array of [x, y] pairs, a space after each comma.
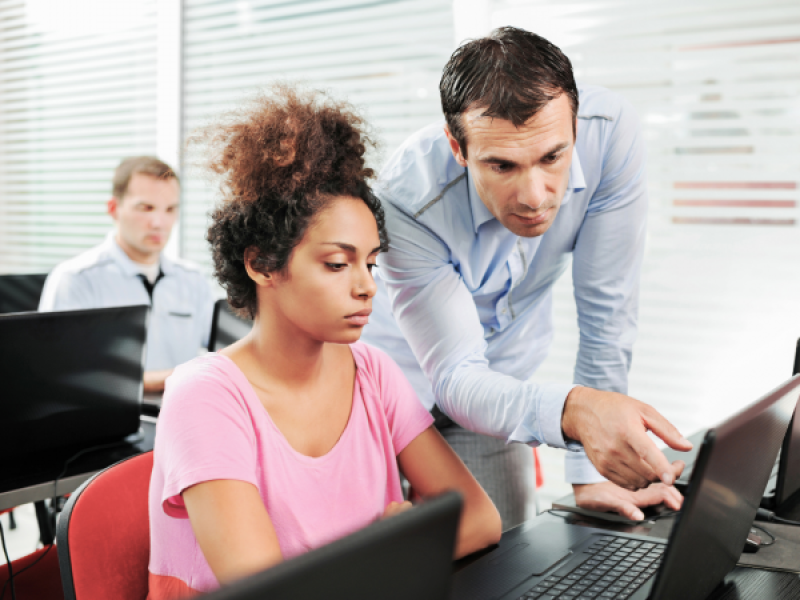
{"points": [[504, 311]]}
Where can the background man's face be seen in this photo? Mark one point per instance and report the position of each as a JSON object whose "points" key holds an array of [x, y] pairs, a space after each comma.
{"points": [[521, 174], [145, 216]]}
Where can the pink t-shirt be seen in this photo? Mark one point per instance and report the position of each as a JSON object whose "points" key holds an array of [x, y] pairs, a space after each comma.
{"points": [[213, 426]]}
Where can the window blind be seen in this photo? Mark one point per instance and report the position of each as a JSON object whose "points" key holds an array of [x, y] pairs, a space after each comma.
{"points": [[77, 93], [717, 87], [384, 57]]}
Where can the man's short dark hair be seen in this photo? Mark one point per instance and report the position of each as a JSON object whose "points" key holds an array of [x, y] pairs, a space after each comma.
{"points": [[145, 165], [512, 74]]}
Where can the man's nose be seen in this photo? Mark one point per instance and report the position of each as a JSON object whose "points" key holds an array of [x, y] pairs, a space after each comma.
{"points": [[156, 220], [533, 189]]}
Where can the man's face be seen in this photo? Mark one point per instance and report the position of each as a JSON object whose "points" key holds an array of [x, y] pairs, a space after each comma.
{"points": [[145, 216], [521, 174]]}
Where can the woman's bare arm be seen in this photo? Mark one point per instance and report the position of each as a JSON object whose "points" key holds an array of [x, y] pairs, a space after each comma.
{"points": [[432, 468], [232, 527]]}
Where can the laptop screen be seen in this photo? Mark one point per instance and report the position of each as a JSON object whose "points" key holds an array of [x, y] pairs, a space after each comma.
{"points": [[70, 379], [406, 557], [789, 472], [727, 483]]}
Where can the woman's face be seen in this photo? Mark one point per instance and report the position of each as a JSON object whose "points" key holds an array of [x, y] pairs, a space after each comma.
{"points": [[328, 287]]}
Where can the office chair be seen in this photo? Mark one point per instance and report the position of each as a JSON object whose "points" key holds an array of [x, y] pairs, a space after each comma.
{"points": [[104, 534], [36, 576], [226, 327], [20, 293]]}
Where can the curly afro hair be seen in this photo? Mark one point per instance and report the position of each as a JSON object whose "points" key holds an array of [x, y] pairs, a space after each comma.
{"points": [[281, 160]]}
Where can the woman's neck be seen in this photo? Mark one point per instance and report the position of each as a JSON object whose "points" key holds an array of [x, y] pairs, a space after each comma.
{"points": [[286, 354]]}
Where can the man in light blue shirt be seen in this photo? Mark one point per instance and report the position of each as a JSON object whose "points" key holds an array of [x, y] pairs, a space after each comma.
{"points": [[130, 268], [484, 214]]}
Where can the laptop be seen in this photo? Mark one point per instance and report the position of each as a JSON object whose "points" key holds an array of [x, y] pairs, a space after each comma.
{"points": [[784, 480], [558, 560], [20, 293], [406, 557], [71, 380], [226, 327]]}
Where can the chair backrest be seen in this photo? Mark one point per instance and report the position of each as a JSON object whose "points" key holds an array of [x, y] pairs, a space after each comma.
{"points": [[226, 327], [20, 293], [104, 534]]}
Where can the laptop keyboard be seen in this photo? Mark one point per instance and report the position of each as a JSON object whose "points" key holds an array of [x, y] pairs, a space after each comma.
{"points": [[616, 568]]}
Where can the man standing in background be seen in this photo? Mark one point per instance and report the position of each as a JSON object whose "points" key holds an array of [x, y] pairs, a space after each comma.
{"points": [[130, 268], [484, 214]]}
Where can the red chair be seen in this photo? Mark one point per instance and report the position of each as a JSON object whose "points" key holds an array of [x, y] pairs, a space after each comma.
{"points": [[539, 472], [36, 576], [104, 534]]}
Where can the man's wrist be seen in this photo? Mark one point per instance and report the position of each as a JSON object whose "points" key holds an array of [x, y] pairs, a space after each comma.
{"points": [[570, 413]]}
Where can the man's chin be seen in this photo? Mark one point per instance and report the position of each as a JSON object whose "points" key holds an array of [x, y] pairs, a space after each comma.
{"points": [[528, 231], [151, 249]]}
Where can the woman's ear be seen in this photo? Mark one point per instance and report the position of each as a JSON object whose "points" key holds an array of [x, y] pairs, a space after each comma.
{"points": [[259, 278]]}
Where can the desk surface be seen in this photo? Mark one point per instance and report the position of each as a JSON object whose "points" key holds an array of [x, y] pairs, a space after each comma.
{"points": [[29, 484], [742, 583]]}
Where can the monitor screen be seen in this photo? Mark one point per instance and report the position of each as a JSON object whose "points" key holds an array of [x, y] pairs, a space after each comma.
{"points": [[70, 378]]}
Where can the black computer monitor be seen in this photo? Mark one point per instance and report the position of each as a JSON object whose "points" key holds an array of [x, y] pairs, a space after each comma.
{"points": [[21, 293], [226, 327], [406, 557], [70, 379], [732, 469]]}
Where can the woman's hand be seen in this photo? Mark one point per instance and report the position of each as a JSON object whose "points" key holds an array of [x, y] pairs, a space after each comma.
{"points": [[395, 508]]}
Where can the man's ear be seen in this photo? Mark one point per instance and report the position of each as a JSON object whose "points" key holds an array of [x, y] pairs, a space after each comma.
{"points": [[259, 278], [112, 206], [455, 147]]}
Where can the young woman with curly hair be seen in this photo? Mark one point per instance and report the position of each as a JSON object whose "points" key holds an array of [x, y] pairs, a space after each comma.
{"points": [[293, 436]]}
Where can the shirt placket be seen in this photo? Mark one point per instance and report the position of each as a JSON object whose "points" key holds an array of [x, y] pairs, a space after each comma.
{"points": [[517, 268]]}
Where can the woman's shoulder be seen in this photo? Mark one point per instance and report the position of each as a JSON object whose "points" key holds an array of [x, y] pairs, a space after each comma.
{"points": [[378, 370], [209, 367], [207, 376], [371, 359]]}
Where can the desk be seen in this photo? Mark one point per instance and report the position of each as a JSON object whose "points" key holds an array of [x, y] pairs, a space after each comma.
{"points": [[741, 584], [23, 484]]}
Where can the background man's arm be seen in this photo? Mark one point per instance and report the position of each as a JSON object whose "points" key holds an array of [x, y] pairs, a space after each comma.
{"points": [[65, 291]]}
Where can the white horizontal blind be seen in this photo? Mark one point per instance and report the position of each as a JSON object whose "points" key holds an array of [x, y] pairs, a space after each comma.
{"points": [[384, 57], [717, 87], [77, 93]]}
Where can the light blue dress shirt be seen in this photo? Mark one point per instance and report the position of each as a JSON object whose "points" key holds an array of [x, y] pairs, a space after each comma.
{"points": [[473, 301], [104, 276]]}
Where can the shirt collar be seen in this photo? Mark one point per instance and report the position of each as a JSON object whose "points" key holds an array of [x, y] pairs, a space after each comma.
{"points": [[481, 214], [130, 268], [576, 182]]}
